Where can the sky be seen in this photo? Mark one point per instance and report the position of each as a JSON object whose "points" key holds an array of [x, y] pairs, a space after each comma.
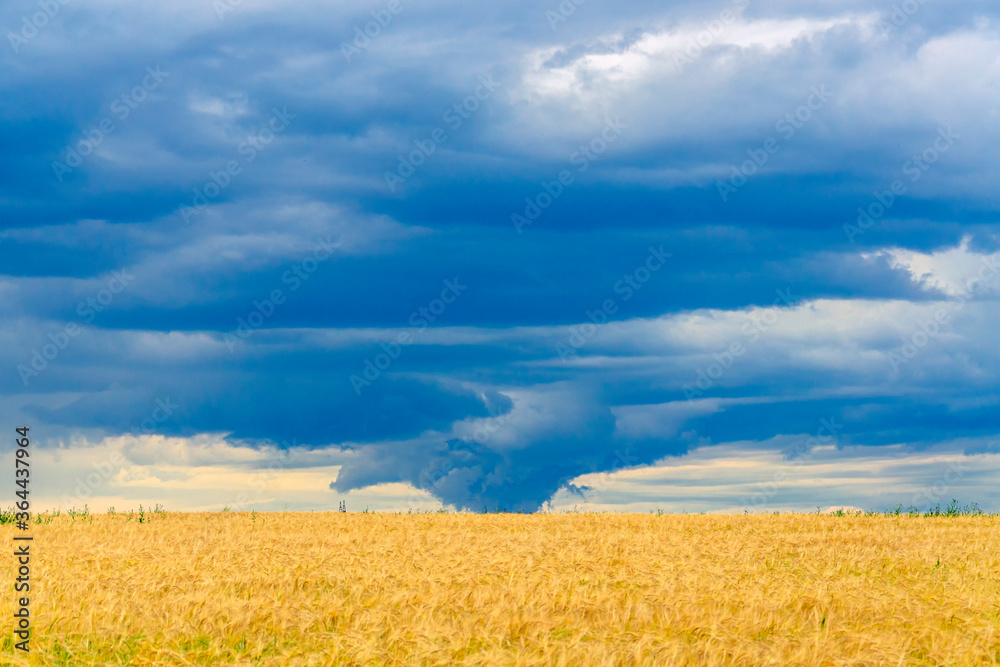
{"points": [[536, 256]]}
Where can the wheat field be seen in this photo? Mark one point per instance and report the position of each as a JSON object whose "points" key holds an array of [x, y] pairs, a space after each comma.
{"points": [[503, 589]]}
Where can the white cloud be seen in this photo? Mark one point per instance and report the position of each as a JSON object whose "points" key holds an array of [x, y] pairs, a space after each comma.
{"points": [[734, 477], [655, 53], [957, 272]]}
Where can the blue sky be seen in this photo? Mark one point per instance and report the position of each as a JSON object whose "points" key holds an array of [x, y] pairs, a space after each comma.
{"points": [[696, 256]]}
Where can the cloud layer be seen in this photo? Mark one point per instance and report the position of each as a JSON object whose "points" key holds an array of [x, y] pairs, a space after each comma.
{"points": [[483, 253]]}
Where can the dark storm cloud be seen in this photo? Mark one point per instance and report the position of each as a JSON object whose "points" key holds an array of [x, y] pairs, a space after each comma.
{"points": [[192, 189]]}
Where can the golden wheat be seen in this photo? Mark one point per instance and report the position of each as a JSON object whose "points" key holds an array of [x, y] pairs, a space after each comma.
{"points": [[464, 589]]}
